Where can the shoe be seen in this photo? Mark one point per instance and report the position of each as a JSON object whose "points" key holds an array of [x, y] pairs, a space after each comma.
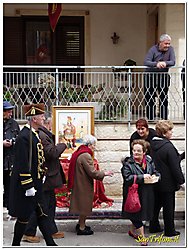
{"points": [[144, 244], [58, 235], [31, 239], [84, 232], [78, 227], [135, 236], [156, 230], [175, 233]]}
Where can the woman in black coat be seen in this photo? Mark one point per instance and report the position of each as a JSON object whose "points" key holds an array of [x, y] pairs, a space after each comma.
{"points": [[167, 161], [141, 165]]}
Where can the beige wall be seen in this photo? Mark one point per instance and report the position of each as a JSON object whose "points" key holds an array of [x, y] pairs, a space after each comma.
{"points": [[104, 20], [113, 146], [129, 21], [175, 25]]}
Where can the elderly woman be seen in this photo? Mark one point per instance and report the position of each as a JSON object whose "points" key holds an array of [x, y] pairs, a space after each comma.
{"points": [[141, 165], [80, 181], [142, 132], [167, 161]]}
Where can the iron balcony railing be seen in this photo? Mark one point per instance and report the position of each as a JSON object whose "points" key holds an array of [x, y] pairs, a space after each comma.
{"points": [[116, 92]]}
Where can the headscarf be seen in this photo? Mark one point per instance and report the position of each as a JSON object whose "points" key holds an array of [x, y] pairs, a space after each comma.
{"points": [[81, 149]]}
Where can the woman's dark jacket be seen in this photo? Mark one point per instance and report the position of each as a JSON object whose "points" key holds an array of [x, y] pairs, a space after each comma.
{"points": [[135, 135], [55, 176], [167, 162], [129, 169]]}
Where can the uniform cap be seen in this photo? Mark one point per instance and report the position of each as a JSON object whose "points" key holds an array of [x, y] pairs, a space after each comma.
{"points": [[34, 109]]}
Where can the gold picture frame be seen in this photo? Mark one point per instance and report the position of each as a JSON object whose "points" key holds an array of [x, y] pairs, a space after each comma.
{"points": [[70, 124]]}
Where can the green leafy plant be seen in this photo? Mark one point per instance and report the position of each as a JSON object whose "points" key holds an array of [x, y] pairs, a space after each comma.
{"points": [[113, 109]]}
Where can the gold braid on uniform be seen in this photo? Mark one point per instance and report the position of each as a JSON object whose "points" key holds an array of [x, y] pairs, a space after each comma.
{"points": [[41, 159], [22, 222]]}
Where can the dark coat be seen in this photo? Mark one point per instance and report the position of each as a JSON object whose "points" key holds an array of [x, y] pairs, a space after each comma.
{"points": [[135, 135], [11, 130], [55, 176], [23, 178], [145, 191], [167, 162], [81, 201]]}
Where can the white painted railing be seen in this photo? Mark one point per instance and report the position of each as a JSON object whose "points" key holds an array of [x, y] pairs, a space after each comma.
{"points": [[116, 92]]}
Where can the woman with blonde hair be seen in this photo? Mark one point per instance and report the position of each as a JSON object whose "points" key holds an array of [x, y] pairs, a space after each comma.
{"points": [[167, 162]]}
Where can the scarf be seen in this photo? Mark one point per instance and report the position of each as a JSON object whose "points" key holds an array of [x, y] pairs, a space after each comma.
{"points": [[143, 163], [81, 149]]}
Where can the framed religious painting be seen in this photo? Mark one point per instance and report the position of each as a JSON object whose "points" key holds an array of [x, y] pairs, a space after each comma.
{"points": [[70, 124]]}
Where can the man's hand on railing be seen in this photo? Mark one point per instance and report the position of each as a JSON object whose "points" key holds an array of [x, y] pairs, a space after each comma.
{"points": [[161, 64]]}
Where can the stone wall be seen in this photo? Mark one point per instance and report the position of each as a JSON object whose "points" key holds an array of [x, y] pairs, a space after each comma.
{"points": [[113, 145]]}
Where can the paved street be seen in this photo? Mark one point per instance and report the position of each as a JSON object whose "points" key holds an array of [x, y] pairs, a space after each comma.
{"points": [[109, 229], [107, 233]]}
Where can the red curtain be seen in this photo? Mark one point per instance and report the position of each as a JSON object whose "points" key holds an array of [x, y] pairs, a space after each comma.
{"points": [[63, 194], [54, 12]]}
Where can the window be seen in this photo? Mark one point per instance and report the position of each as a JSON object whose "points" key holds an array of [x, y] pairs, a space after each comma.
{"points": [[29, 40], [38, 43]]}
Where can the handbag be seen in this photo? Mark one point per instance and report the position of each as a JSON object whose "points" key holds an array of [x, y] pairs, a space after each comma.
{"points": [[132, 203]]}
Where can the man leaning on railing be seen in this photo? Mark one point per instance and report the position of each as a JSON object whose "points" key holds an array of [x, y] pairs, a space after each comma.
{"points": [[157, 80]]}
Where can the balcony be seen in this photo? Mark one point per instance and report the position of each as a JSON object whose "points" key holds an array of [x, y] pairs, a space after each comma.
{"points": [[117, 93]]}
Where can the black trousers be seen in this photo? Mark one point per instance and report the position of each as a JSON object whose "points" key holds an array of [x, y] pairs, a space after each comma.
{"points": [[6, 185], [43, 223], [156, 83], [49, 204], [137, 223], [165, 200]]}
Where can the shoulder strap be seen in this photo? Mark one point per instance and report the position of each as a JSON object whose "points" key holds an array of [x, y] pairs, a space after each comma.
{"points": [[135, 176]]}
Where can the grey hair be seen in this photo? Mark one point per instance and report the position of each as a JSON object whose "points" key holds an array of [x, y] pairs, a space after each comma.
{"points": [[48, 115], [164, 37], [89, 139]]}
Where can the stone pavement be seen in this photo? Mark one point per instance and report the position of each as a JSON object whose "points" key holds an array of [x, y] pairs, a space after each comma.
{"points": [[107, 232]]}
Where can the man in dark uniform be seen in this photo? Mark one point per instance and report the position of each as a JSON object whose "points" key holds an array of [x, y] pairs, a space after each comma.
{"points": [[10, 132], [54, 179], [27, 176]]}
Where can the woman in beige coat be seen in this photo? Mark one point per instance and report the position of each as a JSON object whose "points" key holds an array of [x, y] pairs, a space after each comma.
{"points": [[80, 181]]}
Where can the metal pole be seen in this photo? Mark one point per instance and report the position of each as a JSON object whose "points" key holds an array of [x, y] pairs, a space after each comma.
{"points": [[57, 86], [129, 98], [30, 144]]}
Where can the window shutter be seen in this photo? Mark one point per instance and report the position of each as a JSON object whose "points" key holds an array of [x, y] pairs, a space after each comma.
{"points": [[12, 41], [69, 44]]}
